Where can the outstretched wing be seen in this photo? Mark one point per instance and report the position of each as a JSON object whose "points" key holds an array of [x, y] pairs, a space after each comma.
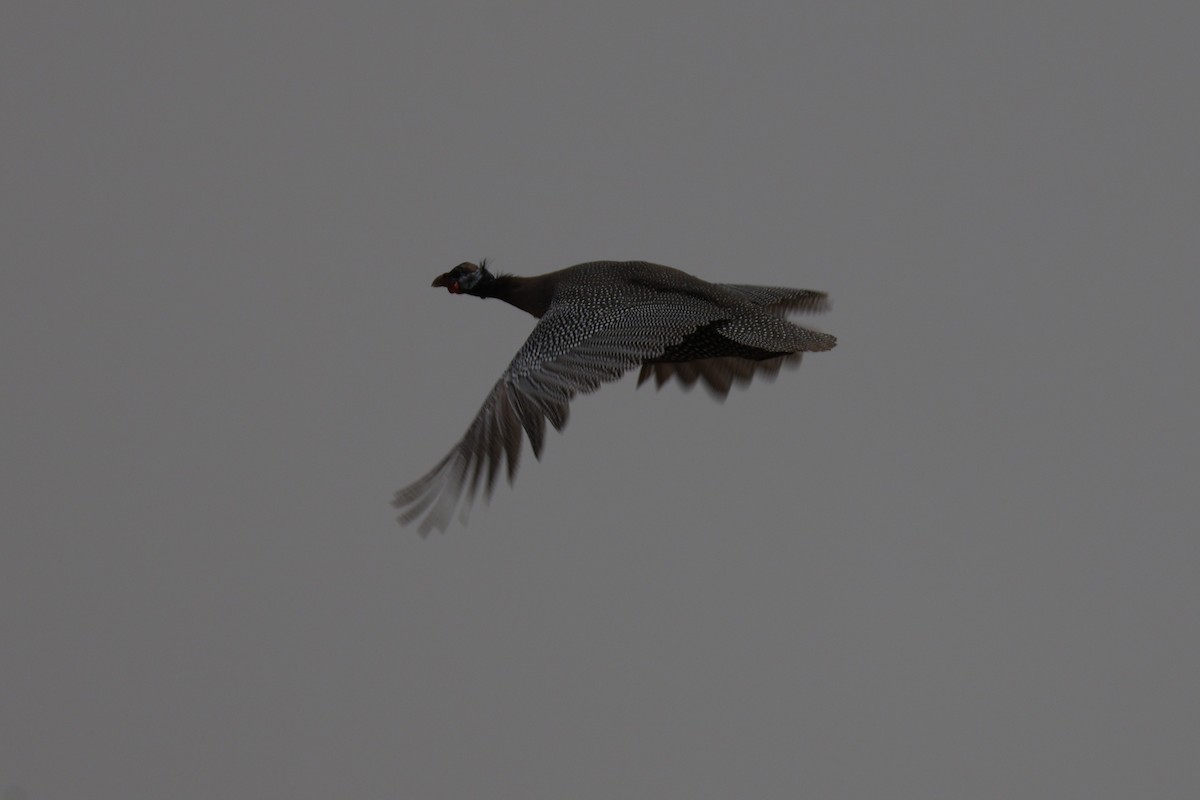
{"points": [[573, 349], [757, 342]]}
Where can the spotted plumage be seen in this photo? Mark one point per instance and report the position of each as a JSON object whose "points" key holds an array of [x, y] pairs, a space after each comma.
{"points": [[597, 321]]}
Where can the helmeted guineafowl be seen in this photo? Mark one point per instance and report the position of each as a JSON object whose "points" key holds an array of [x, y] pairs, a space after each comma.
{"points": [[597, 321]]}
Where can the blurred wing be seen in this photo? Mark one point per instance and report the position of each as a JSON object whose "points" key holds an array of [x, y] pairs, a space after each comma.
{"points": [[781, 299], [718, 375], [567, 353]]}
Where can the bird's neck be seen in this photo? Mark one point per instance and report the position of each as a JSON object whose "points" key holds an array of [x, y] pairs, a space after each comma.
{"points": [[530, 294]]}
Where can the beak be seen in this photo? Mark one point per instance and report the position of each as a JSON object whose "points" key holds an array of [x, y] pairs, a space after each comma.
{"points": [[447, 281]]}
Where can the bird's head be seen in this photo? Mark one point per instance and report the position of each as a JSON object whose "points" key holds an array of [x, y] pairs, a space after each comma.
{"points": [[466, 278]]}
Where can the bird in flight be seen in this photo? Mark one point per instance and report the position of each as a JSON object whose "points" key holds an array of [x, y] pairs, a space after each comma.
{"points": [[597, 321]]}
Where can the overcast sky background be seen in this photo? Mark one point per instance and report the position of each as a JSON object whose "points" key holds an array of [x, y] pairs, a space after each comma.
{"points": [[956, 557]]}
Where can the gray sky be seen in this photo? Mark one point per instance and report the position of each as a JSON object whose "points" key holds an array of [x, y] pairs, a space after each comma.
{"points": [[956, 557]]}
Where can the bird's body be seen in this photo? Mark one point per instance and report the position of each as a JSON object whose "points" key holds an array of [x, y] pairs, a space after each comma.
{"points": [[596, 322]]}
